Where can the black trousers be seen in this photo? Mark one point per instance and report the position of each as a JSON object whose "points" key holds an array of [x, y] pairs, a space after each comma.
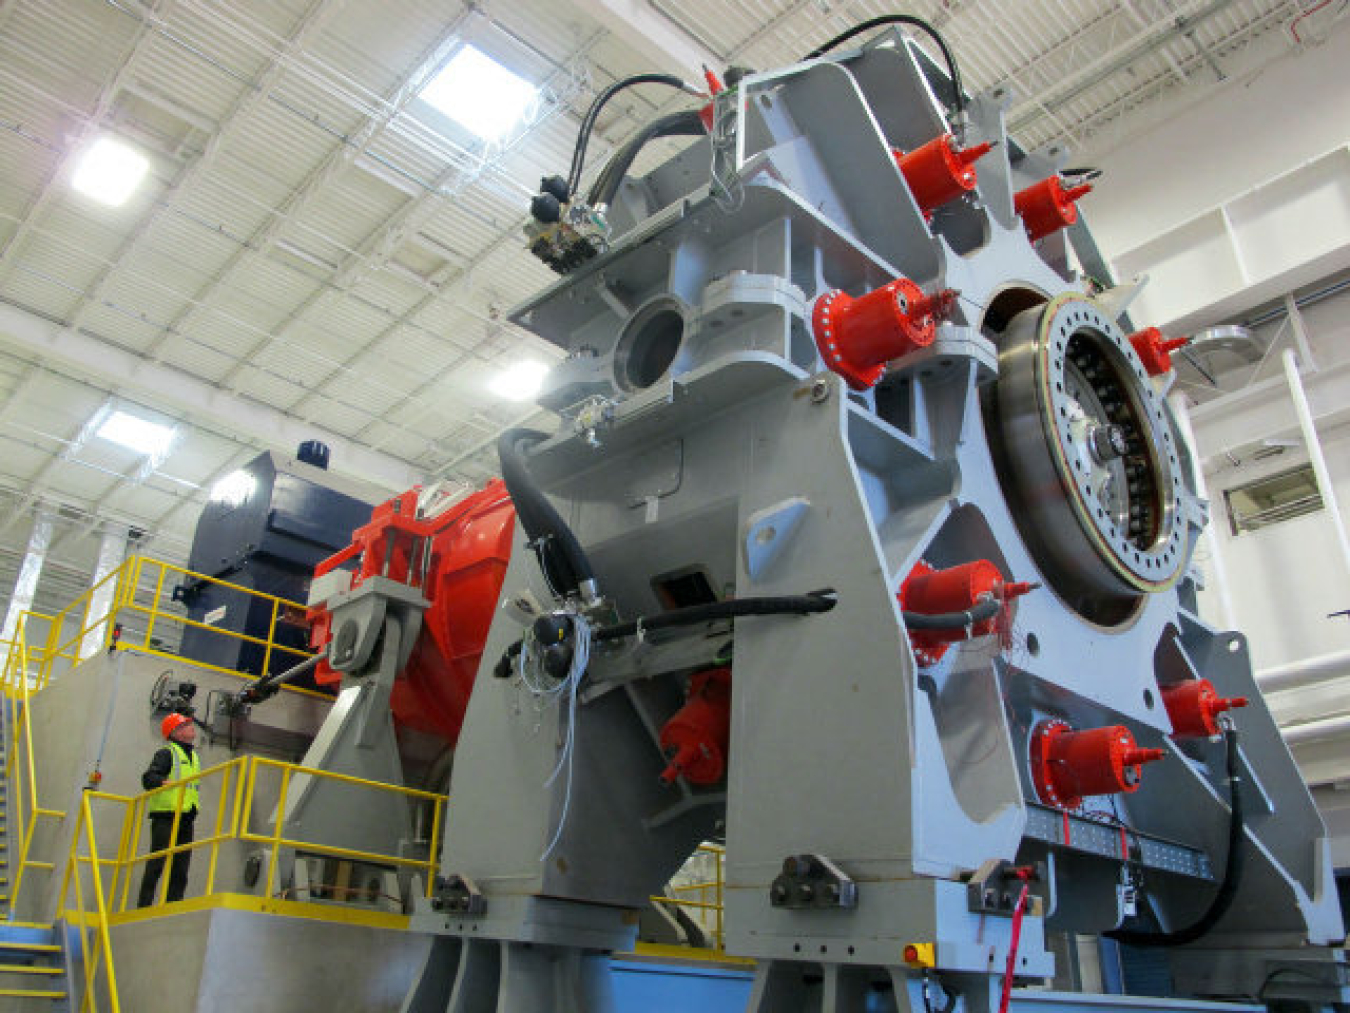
{"points": [[161, 828]]}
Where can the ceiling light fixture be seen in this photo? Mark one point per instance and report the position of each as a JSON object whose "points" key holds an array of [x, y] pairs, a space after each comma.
{"points": [[479, 93], [140, 435], [519, 382], [109, 171]]}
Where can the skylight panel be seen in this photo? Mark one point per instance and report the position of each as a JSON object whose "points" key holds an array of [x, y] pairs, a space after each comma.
{"points": [[140, 435], [480, 94], [109, 171]]}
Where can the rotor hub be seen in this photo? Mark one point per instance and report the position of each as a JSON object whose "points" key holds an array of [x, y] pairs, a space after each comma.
{"points": [[1087, 458]]}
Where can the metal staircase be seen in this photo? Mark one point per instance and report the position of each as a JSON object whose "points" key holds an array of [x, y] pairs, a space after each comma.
{"points": [[34, 970]]}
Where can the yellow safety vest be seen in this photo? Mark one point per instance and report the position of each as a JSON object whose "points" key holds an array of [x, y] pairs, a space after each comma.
{"points": [[166, 799]]}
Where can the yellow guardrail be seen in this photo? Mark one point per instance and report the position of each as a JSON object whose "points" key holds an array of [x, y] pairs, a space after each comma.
{"points": [[96, 889], [136, 609], [704, 897], [22, 666]]}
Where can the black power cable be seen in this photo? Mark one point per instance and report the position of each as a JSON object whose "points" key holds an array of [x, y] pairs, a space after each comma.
{"points": [[1232, 872], [561, 556], [958, 96], [686, 123], [593, 113], [982, 612]]}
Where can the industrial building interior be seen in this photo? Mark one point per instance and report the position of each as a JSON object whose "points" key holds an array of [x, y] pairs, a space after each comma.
{"points": [[652, 505]]}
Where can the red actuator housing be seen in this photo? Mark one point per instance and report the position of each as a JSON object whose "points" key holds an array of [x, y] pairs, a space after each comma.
{"points": [[1195, 706], [857, 337], [939, 171], [1155, 351], [956, 589], [1067, 766], [697, 736], [1048, 206]]}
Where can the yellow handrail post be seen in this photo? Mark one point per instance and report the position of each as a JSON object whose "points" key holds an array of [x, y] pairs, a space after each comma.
{"points": [[719, 900], [104, 937], [271, 637], [434, 854], [276, 837], [154, 603], [220, 822]]}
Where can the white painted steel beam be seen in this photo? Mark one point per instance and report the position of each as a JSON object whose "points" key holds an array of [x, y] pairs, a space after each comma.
{"points": [[1315, 455], [112, 549], [118, 368], [653, 35], [30, 572]]}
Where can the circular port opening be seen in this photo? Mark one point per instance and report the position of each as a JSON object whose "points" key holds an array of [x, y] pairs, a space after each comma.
{"points": [[648, 345]]}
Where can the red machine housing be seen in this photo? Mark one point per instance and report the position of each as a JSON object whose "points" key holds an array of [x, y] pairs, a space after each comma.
{"points": [[955, 589], [458, 558], [1195, 706], [1154, 350], [1048, 206], [939, 171], [857, 337], [1067, 765], [697, 736]]}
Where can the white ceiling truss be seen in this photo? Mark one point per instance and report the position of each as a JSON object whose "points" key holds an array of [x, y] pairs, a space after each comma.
{"points": [[316, 255]]}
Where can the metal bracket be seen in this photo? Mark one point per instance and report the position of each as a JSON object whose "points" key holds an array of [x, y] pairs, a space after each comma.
{"points": [[459, 894], [812, 881], [989, 890]]}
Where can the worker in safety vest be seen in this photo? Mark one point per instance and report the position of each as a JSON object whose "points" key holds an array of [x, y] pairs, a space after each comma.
{"points": [[177, 760]]}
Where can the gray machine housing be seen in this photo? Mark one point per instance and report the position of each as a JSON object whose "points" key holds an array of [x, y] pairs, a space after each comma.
{"points": [[703, 437]]}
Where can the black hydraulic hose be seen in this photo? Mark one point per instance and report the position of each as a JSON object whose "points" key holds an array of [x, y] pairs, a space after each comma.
{"points": [[561, 556], [693, 615], [1232, 872], [958, 96], [686, 123], [985, 610], [732, 608], [268, 685], [593, 113]]}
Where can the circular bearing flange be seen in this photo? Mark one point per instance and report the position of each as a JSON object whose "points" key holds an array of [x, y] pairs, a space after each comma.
{"points": [[1087, 458]]}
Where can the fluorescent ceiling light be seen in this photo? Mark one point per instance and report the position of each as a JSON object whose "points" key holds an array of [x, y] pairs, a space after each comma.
{"points": [[477, 92], [520, 382], [140, 435], [234, 488], [109, 171]]}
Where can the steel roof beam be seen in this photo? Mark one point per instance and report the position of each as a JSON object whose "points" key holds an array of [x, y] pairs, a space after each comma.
{"points": [[121, 369]]}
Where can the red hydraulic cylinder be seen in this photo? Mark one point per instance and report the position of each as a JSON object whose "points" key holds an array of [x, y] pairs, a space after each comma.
{"points": [[939, 172], [1067, 765], [697, 737], [1155, 351], [857, 337], [1048, 206], [1195, 706], [955, 589]]}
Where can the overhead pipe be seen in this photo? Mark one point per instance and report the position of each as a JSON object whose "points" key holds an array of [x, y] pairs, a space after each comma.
{"points": [[1314, 731], [1306, 672]]}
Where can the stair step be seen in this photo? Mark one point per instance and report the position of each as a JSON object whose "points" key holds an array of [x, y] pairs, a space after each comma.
{"points": [[33, 993], [8, 947], [28, 969]]}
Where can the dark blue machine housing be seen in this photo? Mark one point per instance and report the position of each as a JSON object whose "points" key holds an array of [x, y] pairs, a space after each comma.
{"points": [[276, 519]]}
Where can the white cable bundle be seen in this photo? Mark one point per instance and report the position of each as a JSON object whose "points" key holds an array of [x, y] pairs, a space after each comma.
{"points": [[545, 691]]}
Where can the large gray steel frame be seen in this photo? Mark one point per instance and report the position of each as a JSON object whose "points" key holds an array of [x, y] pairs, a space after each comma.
{"points": [[374, 629], [729, 452]]}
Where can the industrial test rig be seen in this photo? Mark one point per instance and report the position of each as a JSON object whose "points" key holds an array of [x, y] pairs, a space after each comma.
{"points": [[864, 543]]}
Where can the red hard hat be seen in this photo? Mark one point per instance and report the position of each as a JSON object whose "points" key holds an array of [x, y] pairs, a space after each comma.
{"points": [[172, 723]]}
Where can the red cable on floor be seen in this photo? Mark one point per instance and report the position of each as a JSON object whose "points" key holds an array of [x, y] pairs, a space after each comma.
{"points": [[1012, 949]]}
